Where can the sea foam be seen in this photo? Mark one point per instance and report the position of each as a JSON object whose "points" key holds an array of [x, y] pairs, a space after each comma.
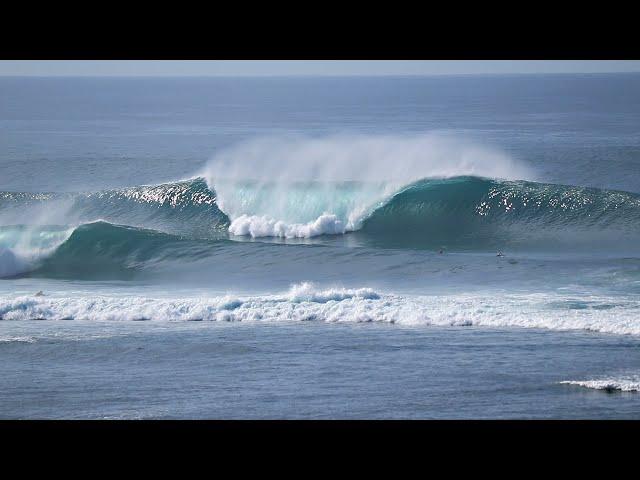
{"points": [[628, 383], [307, 302]]}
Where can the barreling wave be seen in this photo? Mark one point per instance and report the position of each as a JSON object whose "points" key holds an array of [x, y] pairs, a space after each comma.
{"points": [[461, 212], [297, 186], [419, 190], [143, 226]]}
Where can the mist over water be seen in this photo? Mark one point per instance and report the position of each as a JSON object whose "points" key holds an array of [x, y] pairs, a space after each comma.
{"points": [[298, 186], [398, 159]]}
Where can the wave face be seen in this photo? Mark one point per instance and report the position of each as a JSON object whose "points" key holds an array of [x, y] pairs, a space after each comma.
{"points": [[307, 302], [477, 213], [105, 251]]}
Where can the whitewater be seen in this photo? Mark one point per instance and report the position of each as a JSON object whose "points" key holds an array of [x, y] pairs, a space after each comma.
{"points": [[306, 302]]}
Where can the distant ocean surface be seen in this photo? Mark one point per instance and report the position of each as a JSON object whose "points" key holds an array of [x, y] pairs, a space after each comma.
{"points": [[339, 247]]}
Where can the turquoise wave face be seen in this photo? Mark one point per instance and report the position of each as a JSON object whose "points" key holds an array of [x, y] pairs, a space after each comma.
{"points": [[476, 213], [118, 233], [102, 250]]}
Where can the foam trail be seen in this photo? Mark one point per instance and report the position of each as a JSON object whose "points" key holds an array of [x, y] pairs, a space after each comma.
{"points": [[629, 383], [290, 186]]}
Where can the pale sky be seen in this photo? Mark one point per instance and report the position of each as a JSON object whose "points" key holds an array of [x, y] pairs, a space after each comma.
{"points": [[306, 67]]}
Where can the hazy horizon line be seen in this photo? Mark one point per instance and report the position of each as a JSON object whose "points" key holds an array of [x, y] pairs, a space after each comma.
{"points": [[308, 68], [316, 75]]}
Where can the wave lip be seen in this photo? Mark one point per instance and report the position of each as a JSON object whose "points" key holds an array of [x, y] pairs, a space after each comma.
{"points": [[22, 247], [629, 383]]}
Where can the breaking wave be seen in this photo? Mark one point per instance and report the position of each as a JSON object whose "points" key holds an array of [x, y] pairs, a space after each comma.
{"points": [[308, 302], [144, 225], [297, 186]]}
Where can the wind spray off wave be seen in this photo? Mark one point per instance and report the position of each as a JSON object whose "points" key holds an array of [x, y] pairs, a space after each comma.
{"points": [[23, 246], [303, 187]]}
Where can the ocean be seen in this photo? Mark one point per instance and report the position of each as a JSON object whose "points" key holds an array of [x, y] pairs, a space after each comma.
{"points": [[320, 247]]}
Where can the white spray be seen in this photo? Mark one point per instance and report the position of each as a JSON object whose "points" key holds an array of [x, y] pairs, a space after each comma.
{"points": [[298, 186], [22, 247]]}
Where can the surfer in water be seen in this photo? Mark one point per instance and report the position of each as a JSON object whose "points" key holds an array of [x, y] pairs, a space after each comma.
{"points": [[499, 254]]}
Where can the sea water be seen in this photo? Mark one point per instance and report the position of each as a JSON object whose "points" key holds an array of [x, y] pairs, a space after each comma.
{"points": [[320, 247]]}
